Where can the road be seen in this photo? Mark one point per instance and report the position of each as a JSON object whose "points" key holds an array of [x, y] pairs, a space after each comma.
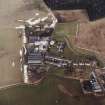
{"points": [[10, 12]]}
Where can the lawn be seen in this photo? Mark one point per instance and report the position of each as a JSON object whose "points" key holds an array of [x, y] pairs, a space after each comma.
{"points": [[64, 29], [47, 93]]}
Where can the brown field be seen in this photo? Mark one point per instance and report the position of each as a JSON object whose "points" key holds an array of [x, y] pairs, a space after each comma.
{"points": [[91, 34], [72, 15]]}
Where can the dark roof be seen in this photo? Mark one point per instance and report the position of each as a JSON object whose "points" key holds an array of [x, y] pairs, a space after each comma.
{"points": [[87, 86], [32, 31]]}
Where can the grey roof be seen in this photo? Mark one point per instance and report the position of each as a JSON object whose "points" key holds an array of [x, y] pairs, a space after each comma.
{"points": [[35, 58]]}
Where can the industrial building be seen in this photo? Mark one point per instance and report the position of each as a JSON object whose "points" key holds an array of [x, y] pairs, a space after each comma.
{"points": [[36, 39], [96, 83], [34, 56]]}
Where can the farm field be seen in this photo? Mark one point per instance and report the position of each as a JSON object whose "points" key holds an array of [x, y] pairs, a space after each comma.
{"points": [[67, 31], [10, 44], [92, 36], [52, 91]]}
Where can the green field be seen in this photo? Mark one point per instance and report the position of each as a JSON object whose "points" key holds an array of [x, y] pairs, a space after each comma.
{"points": [[66, 29], [47, 93]]}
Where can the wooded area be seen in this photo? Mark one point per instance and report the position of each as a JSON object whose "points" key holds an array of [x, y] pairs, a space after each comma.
{"points": [[95, 8]]}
